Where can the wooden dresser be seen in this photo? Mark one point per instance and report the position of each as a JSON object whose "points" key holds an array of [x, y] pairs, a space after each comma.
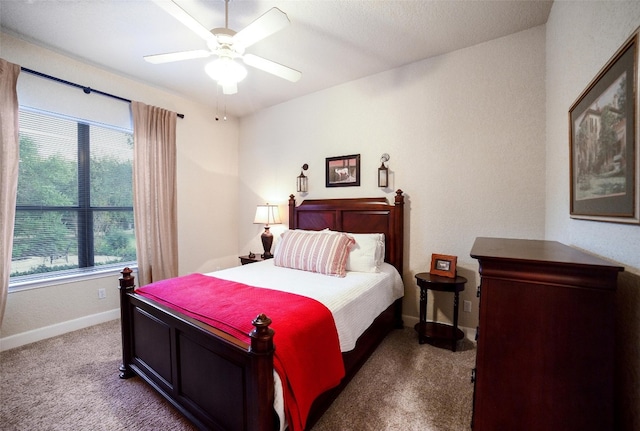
{"points": [[545, 339]]}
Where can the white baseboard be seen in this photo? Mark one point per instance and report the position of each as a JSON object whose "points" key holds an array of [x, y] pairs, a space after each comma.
{"points": [[28, 337], [34, 335], [469, 333]]}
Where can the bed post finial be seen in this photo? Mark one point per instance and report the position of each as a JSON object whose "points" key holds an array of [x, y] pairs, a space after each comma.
{"points": [[127, 280], [127, 284], [399, 198], [261, 335]]}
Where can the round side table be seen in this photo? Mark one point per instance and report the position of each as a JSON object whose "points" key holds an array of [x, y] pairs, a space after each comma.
{"points": [[433, 332]]}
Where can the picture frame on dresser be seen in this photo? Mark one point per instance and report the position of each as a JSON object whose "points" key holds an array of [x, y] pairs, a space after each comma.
{"points": [[343, 171], [603, 140], [443, 265]]}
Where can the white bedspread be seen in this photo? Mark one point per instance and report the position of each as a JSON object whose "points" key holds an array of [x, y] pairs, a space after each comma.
{"points": [[355, 300]]}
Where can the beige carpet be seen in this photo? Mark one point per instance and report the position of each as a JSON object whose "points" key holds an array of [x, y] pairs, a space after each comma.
{"points": [[409, 387], [71, 383]]}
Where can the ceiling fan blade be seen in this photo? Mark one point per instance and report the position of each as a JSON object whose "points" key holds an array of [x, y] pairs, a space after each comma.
{"points": [[272, 67], [268, 23], [181, 15], [177, 56]]}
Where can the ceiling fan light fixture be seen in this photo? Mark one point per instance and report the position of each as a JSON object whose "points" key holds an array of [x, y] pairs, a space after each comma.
{"points": [[229, 88], [225, 71]]}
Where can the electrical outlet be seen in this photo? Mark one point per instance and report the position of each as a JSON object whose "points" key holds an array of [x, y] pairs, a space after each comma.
{"points": [[467, 306], [102, 293]]}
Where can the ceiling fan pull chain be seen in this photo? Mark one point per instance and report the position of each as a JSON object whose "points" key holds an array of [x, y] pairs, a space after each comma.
{"points": [[224, 117], [226, 14]]}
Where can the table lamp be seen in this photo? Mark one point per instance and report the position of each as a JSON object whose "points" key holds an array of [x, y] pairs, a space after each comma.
{"points": [[267, 214]]}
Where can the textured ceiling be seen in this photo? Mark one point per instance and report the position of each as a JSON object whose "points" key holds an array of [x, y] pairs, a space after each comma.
{"points": [[329, 41]]}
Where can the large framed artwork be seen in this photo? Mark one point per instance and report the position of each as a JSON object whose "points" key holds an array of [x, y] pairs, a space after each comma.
{"points": [[604, 142], [343, 171]]}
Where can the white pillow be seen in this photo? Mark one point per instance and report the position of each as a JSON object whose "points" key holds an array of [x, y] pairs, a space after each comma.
{"points": [[368, 252]]}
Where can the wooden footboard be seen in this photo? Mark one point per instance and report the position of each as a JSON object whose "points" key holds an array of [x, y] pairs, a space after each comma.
{"points": [[215, 380]]}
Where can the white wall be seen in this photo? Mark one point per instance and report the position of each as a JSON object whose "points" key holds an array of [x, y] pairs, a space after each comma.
{"points": [[465, 132], [207, 178], [581, 38], [580, 41]]}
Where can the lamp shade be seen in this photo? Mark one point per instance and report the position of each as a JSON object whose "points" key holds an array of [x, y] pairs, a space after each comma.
{"points": [[383, 176], [267, 214], [302, 185], [383, 171]]}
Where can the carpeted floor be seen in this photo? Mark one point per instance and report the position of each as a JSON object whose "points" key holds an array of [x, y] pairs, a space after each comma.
{"points": [[407, 386], [71, 383]]}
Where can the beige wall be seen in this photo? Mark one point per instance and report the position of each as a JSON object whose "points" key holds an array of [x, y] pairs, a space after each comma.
{"points": [[207, 178], [581, 38], [465, 132]]}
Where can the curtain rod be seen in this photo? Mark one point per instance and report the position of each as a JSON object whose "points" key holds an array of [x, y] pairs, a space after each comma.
{"points": [[87, 90]]}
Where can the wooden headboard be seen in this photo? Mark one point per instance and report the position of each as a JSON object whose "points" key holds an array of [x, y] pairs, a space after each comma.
{"points": [[355, 215]]}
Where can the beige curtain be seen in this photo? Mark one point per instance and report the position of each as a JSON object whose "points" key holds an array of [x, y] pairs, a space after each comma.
{"points": [[8, 170], [154, 192]]}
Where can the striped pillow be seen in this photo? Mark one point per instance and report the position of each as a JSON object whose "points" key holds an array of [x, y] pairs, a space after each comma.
{"points": [[325, 253]]}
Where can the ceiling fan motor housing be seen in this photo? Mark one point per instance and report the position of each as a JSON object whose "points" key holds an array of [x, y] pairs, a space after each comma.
{"points": [[224, 45]]}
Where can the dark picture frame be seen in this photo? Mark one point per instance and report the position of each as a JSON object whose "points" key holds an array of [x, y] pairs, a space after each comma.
{"points": [[443, 265], [343, 171], [603, 140]]}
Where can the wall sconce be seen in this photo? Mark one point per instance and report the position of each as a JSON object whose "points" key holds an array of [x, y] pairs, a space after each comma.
{"points": [[303, 186], [267, 214], [383, 172]]}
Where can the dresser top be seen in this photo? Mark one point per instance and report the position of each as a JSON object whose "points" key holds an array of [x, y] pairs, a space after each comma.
{"points": [[535, 251]]}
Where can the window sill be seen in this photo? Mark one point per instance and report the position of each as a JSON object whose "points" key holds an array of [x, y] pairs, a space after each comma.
{"points": [[37, 281]]}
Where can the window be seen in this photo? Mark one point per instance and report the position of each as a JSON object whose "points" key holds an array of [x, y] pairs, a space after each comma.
{"points": [[75, 198]]}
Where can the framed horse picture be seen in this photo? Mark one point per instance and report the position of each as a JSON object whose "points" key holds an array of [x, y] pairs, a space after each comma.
{"points": [[343, 171], [443, 265]]}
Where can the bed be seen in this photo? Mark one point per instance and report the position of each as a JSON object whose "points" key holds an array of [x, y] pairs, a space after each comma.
{"points": [[182, 357]]}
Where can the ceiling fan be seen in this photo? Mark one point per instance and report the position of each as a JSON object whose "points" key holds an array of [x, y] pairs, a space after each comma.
{"points": [[228, 46]]}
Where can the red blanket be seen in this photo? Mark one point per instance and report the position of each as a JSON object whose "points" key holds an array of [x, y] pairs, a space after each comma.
{"points": [[307, 355]]}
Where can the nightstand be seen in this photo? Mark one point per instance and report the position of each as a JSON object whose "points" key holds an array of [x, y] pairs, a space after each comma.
{"points": [[246, 259], [433, 332]]}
